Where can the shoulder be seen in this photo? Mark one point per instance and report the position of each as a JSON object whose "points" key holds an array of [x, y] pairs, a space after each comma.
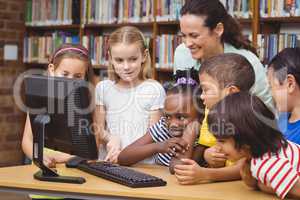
{"points": [[151, 85], [104, 84], [250, 56], [159, 130]]}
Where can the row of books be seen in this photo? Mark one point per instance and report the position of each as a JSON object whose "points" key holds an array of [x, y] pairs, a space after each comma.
{"points": [[279, 8], [271, 44], [52, 12], [117, 11], [239, 8], [168, 10], [165, 48], [98, 48], [40, 48]]}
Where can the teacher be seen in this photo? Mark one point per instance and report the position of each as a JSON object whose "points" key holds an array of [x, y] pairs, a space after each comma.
{"points": [[208, 30]]}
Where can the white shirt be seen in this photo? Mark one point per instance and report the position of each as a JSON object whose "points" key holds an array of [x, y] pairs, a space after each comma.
{"points": [[128, 109]]}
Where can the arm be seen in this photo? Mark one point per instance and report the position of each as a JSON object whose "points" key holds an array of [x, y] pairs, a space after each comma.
{"points": [[146, 147], [191, 173], [27, 146], [102, 136], [142, 148], [190, 134]]}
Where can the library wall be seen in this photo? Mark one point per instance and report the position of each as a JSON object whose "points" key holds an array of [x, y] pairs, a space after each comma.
{"points": [[11, 119]]}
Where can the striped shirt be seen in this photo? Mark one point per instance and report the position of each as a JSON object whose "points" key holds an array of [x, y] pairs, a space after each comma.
{"points": [[160, 133], [279, 170]]}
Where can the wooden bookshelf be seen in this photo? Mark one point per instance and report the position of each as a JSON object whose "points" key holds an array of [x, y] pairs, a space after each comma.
{"points": [[157, 27]]}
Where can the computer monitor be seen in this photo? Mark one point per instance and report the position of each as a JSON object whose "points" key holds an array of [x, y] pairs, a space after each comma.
{"points": [[60, 116]]}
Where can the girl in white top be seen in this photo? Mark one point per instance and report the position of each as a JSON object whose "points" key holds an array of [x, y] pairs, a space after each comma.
{"points": [[129, 102]]}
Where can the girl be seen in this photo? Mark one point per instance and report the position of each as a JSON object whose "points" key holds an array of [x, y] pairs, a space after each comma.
{"points": [[246, 128], [70, 61], [129, 102], [208, 30], [168, 138]]}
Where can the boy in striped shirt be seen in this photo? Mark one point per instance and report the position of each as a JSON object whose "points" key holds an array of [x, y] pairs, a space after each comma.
{"points": [[246, 129]]}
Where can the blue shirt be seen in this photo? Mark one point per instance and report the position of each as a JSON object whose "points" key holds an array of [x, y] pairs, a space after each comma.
{"points": [[291, 131], [183, 60]]}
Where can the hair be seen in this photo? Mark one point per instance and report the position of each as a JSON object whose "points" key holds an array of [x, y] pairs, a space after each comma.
{"points": [[244, 118], [214, 13], [187, 82], [286, 62], [230, 69], [77, 51], [130, 35]]}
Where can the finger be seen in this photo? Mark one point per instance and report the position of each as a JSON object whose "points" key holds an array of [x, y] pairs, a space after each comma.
{"points": [[219, 160], [219, 155], [183, 178], [188, 161], [182, 167], [180, 172]]}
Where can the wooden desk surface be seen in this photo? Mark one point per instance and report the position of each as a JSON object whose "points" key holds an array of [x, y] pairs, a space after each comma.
{"points": [[21, 178]]}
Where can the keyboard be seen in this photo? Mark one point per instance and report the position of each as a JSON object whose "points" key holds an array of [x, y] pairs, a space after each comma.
{"points": [[121, 174]]}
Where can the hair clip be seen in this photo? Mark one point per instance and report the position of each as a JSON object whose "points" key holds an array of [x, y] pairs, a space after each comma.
{"points": [[187, 81]]}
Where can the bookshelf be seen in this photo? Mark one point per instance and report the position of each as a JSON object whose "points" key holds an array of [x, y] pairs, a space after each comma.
{"points": [[85, 24]]}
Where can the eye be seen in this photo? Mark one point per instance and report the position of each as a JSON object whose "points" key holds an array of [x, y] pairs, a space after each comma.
{"points": [[133, 59], [194, 35], [78, 76], [118, 60], [65, 73], [167, 116]]}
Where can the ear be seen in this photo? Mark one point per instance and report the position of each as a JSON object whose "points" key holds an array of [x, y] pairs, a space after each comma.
{"points": [[291, 83], [219, 30], [232, 89], [51, 69], [145, 54]]}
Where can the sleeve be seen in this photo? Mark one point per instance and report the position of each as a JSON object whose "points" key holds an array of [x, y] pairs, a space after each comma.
{"points": [[154, 131], [158, 98], [100, 91], [183, 59], [278, 173]]}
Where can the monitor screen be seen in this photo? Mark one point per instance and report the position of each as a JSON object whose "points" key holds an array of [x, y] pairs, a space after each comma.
{"points": [[67, 103]]}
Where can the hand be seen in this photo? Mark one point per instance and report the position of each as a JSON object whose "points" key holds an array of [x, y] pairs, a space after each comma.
{"points": [[214, 157], [189, 172], [49, 161], [113, 149], [246, 175], [174, 146]]}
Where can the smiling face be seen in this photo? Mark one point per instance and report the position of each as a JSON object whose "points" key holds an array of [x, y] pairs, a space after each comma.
{"points": [[202, 42], [127, 62], [211, 91], [69, 68], [179, 112], [227, 146]]}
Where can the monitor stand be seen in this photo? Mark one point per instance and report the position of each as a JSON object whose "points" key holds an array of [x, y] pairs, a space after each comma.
{"points": [[46, 174]]}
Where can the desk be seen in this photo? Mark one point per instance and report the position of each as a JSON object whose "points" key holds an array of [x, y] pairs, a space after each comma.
{"points": [[20, 179]]}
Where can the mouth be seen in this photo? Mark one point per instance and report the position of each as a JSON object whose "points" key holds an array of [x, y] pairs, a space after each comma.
{"points": [[175, 132]]}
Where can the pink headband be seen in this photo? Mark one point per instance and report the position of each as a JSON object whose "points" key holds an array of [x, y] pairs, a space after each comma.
{"points": [[71, 48]]}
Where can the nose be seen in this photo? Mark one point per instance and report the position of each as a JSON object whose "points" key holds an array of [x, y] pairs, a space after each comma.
{"points": [[126, 65], [188, 42], [173, 122]]}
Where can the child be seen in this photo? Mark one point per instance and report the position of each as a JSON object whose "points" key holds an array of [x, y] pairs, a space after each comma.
{"points": [[70, 61], [219, 76], [167, 138], [284, 79], [245, 127], [128, 103]]}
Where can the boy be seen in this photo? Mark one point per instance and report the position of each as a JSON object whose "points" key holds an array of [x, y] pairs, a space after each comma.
{"points": [[284, 79]]}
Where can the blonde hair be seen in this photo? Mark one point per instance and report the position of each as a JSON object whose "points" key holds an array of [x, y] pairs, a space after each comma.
{"points": [[77, 51], [129, 35]]}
